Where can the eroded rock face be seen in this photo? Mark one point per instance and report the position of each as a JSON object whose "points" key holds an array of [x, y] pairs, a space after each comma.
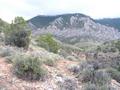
{"points": [[76, 28]]}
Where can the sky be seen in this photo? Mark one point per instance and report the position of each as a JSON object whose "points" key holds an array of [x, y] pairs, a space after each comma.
{"points": [[29, 8]]}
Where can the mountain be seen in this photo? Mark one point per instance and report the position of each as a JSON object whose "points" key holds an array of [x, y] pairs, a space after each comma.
{"points": [[112, 22], [73, 28], [44, 21]]}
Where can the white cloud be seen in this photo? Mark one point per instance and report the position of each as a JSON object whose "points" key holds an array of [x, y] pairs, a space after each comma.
{"points": [[29, 8], [11, 8]]}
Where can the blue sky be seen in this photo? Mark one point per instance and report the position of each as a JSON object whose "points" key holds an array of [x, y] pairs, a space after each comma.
{"points": [[30, 8]]}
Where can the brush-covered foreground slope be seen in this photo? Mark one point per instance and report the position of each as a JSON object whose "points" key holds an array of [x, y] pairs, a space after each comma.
{"points": [[73, 28]]}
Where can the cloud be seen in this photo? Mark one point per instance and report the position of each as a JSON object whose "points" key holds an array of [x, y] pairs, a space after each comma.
{"points": [[30, 8], [9, 9]]}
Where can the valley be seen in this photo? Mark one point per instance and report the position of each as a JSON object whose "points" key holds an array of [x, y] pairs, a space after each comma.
{"points": [[62, 52]]}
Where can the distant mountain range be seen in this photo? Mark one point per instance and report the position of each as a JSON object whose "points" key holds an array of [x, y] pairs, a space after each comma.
{"points": [[73, 28], [46, 20], [112, 22]]}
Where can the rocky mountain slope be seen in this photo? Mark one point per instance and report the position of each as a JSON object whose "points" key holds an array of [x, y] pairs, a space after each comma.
{"points": [[73, 28], [44, 21]]}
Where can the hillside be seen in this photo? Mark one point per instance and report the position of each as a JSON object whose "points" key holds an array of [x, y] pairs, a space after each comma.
{"points": [[62, 73], [79, 55]]}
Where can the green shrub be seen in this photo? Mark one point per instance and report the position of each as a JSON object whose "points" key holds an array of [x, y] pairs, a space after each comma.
{"points": [[92, 86], [71, 58], [115, 74], [19, 39], [50, 62], [113, 49], [48, 42], [29, 68], [117, 45], [100, 80], [87, 75], [89, 72], [4, 51], [18, 33], [67, 84], [98, 48], [101, 77], [63, 53], [106, 87], [10, 59], [73, 68], [89, 86]]}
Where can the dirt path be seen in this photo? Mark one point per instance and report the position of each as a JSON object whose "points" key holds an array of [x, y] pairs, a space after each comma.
{"points": [[6, 75]]}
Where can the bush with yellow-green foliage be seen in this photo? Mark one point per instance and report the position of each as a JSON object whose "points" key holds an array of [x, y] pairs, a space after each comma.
{"points": [[29, 68], [48, 42]]}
